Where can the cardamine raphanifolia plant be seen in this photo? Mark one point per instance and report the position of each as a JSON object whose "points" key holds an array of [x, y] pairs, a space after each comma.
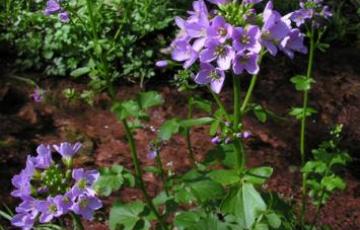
{"points": [[50, 190], [233, 37]]}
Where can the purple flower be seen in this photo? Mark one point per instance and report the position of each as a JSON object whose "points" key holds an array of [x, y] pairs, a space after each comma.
{"points": [[219, 29], [52, 7], [219, 2], [67, 150], [246, 61], [64, 202], [246, 134], [86, 205], [43, 159], [216, 140], [293, 42], [152, 155], [64, 17], [26, 214], [199, 13], [300, 16], [161, 63], [22, 181], [49, 210], [38, 95], [84, 180], [246, 39], [274, 29], [311, 10], [184, 52], [25, 221], [222, 53], [251, 1], [210, 75]]}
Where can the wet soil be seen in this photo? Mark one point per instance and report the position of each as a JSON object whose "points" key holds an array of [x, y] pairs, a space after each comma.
{"points": [[336, 95]]}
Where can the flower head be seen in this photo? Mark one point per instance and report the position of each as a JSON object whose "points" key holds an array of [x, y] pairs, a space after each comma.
{"points": [[67, 150]]}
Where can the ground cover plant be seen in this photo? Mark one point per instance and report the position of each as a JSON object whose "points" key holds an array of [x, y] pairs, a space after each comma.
{"points": [[219, 43]]}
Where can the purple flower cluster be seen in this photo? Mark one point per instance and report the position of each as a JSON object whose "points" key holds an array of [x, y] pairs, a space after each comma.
{"points": [[53, 7], [311, 10], [219, 46], [49, 190]]}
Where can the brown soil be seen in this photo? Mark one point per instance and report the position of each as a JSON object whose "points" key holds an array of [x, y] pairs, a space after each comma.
{"points": [[336, 95]]}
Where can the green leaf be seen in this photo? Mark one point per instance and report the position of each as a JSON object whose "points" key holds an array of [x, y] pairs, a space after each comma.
{"points": [[260, 113], [126, 215], [186, 220], [206, 190], [302, 83], [298, 112], [261, 226], [110, 180], [258, 175], [80, 72], [150, 99], [124, 110], [333, 182], [168, 129], [201, 104], [245, 203], [196, 122], [224, 177], [274, 220]]}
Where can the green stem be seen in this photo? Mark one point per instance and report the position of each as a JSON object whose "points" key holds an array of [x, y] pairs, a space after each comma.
{"points": [[237, 112], [77, 225], [139, 174], [303, 126], [238, 146], [251, 87], [188, 137], [220, 104], [162, 173]]}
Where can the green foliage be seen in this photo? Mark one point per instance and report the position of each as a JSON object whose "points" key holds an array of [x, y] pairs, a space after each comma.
{"points": [[302, 83], [321, 172], [174, 126], [128, 216], [298, 113], [128, 39], [137, 109], [245, 203], [112, 179]]}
